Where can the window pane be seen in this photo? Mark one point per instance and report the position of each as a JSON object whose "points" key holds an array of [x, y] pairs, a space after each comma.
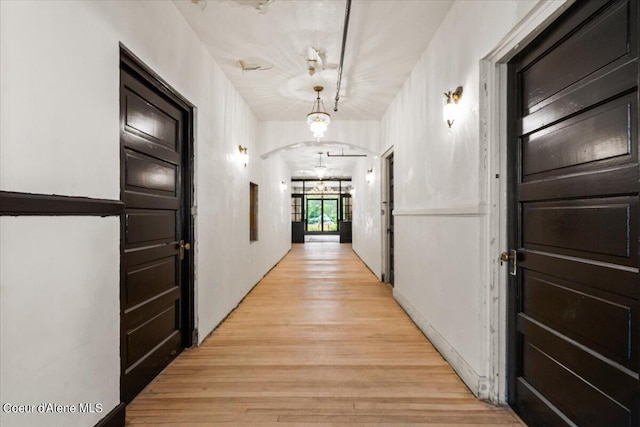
{"points": [[314, 215], [330, 215]]}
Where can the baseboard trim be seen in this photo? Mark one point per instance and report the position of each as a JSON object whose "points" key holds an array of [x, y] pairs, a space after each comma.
{"points": [[365, 264], [115, 418], [217, 325], [478, 384]]}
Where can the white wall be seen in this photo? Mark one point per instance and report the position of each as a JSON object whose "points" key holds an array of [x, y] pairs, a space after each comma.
{"points": [[59, 134], [274, 216], [441, 214], [59, 316], [367, 221], [228, 264]]}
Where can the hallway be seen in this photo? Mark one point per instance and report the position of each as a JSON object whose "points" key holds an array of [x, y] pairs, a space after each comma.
{"points": [[319, 341]]}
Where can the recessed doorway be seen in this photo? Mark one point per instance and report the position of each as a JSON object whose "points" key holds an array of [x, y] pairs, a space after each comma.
{"points": [[321, 207], [156, 289]]}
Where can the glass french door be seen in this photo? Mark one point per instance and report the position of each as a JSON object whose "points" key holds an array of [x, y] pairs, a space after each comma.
{"points": [[322, 215]]}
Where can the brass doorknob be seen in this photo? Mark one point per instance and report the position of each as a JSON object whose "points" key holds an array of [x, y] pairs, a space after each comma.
{"points": [[183, 247], [512, 258]]}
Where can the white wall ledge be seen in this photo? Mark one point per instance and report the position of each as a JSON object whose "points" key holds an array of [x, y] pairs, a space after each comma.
{"points": [[472, 210]]}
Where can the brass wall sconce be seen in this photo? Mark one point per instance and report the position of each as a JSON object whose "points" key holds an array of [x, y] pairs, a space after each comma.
{"points": [[451, 109], [244, 156]]}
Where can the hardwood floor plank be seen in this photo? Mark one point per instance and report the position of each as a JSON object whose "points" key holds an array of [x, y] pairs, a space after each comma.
{"points": [[320, 341]]}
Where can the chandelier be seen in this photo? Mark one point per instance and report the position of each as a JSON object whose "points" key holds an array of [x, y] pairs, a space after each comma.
{"points": [[320, 189], [320, 170], [318, 119]]}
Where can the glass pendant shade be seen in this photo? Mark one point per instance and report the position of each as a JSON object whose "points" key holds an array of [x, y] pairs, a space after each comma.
{"points": [[318, 119], [320, 170], [318, 123]]}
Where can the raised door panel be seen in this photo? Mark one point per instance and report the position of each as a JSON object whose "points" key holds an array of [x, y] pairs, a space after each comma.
{"points": [[574, 178], [152, 290]]}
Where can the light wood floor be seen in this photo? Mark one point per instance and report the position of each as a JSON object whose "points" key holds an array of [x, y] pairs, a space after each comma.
{"points": [[319, 341]]}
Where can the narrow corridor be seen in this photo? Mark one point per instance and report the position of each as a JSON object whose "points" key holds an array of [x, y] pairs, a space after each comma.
{"points": [[319, 341]]}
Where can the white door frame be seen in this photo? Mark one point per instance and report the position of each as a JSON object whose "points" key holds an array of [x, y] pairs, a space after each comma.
{"points": [[493, 140]]}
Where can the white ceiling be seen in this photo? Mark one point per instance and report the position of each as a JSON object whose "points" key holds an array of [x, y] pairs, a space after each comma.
{"points": [[384, 42], [305, 159]]}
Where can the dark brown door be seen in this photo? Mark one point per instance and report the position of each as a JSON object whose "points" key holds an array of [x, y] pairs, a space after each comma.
{"points": [[390, 231], [154, 288], [574, 220], [297, 218]]}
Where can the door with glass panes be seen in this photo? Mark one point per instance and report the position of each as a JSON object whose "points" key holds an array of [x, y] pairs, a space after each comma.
{"points": [[297, 219], [322, 215]]}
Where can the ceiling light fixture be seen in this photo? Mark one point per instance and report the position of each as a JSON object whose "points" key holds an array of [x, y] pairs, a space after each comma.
{"points": [[320, 170], [318, 119], [320, 188], [451, 109]]}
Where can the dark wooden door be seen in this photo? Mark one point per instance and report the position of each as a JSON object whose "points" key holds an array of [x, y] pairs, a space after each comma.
{"points": [[573, 152], [345, 226], [297, 218], [155, 186], [390, 231]]}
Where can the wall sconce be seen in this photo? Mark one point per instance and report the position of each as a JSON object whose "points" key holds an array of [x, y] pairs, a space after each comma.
{"points": [[369, 176], [283, 186], [451, 109], [244, 156]]}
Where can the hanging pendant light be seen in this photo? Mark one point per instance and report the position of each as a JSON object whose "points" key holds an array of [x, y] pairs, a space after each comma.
{"points": [[320, 170], [318, 119]]}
